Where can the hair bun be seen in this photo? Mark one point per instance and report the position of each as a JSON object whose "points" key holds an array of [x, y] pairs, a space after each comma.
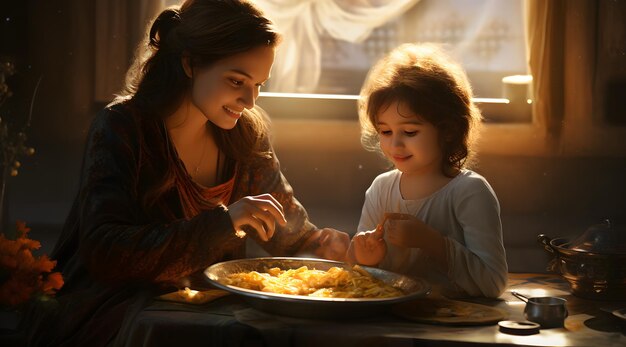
{"points": [[163, 25]]}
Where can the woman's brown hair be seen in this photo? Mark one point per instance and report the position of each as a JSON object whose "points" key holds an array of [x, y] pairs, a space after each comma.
{"points": [[204, 32], [435, 88]]}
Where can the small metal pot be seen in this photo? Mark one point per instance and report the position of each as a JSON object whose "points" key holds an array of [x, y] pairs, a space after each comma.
{"points": [[548, 311], [594, 263]]}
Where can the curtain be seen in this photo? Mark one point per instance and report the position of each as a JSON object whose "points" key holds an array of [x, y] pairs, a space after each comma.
{"points": [[119, 26], [545, 24], [576, 51], [610, 78], [297, 67]]}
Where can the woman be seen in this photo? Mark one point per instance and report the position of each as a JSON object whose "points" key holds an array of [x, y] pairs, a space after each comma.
{"points": [[178, 172]]}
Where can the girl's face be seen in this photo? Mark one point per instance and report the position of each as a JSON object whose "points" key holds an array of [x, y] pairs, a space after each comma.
{"points": [[224, 89], [410, 142]]}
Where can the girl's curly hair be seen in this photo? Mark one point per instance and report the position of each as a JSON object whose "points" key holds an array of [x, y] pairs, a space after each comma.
{"points": [[435, 88]]}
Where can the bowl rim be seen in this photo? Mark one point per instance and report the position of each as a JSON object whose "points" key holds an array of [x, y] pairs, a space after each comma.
{"points": [[422, 285]]}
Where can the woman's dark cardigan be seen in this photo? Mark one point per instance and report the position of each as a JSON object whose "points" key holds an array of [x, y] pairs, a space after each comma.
{"points": [[115, 255]]}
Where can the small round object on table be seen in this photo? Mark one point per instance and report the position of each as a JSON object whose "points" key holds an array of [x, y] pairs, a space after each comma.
{"points": [[518, 327]]}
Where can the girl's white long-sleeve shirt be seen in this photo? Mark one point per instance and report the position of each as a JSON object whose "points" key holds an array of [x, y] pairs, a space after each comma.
{"points": [[467, 212]]}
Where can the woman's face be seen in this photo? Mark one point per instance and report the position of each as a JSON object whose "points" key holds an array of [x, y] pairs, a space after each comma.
{"points": [[224, 89], [410, 142]]}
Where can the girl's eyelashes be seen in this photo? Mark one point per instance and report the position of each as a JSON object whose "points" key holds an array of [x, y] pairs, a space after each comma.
{"points": [[406, 132]]}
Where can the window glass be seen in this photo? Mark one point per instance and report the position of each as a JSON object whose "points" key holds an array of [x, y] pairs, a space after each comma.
{"points": [[485, 36]]}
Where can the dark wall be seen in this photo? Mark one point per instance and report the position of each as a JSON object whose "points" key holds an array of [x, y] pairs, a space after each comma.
{"points": [[50, 43]]}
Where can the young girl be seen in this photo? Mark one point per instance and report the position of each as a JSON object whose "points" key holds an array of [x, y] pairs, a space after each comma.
{"points": [[177, 173], [416, 108]]}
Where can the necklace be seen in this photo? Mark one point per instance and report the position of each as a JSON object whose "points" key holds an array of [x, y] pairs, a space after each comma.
{"points": [[197, 169]]}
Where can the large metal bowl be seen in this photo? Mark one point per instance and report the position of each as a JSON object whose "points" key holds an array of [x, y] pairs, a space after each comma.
{"points": [[591, 275], [312, 307]]}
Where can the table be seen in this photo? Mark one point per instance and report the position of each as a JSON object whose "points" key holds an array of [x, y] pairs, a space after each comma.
{"points": [[229, 321]]}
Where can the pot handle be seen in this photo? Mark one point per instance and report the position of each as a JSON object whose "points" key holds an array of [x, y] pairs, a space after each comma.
{"points": [[545, 241], [524, 298]]}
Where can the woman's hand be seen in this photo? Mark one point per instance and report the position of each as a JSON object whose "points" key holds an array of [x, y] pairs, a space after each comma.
{"points": [[260, 212], [333, 244], [326, 243], [367, 247]]}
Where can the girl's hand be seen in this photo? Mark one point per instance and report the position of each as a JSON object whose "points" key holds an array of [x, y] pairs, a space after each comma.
{"points": [[329, 243], [260, 212], [405, 230], [404, 233], [367, 247]]}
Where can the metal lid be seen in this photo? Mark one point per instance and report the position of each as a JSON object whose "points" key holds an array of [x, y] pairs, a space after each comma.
{"points": [[603, 238]]}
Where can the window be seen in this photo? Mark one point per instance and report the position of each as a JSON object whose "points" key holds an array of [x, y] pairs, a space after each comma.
{"points": [[485, 36]]}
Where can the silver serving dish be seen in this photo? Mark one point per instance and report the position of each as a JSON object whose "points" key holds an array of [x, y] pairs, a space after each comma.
{"points": [[593, 263], [313, 307]]}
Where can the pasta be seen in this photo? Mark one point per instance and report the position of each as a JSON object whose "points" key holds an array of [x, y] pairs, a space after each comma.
{"points": [[335, 282]]}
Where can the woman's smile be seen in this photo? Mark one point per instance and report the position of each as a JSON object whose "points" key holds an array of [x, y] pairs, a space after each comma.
{"points": [[232, 113]]}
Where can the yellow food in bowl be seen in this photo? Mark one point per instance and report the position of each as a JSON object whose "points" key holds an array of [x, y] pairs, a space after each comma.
{"points": [[335, 282]]}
